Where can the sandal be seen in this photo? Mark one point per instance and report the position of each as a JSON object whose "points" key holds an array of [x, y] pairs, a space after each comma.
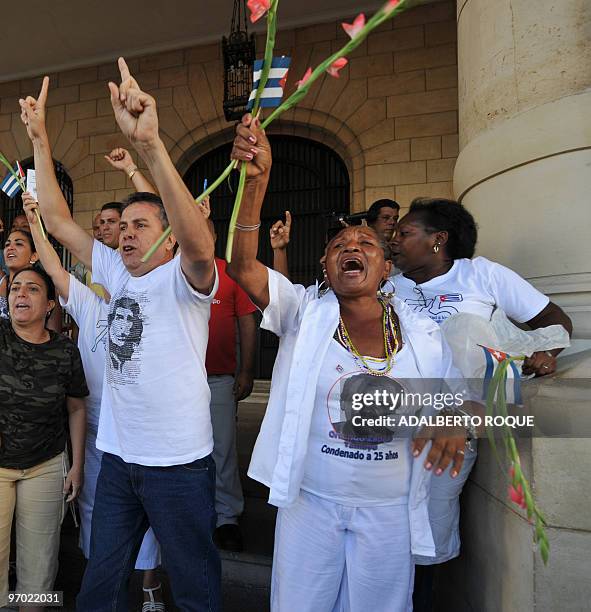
{"points": [[153, 605]]}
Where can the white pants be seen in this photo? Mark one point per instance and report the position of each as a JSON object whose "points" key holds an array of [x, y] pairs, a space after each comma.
{"points": [[149, 555], [333, 558], [444, 512], [229, 501]]}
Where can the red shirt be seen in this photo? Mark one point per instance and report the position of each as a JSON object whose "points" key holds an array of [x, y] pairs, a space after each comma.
{"points": [[229, 303]]}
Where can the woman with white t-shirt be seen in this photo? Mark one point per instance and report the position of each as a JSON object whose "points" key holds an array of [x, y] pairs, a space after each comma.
{"points": [[352, 498], [90, 314], [433, 249]]}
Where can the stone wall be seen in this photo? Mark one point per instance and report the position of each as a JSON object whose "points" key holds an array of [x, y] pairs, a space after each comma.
{"points": [[392, 114]]}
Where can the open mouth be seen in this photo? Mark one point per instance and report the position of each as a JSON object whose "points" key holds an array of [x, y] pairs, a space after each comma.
{"points": [[352, 266], [128, 248], [22, 306]]}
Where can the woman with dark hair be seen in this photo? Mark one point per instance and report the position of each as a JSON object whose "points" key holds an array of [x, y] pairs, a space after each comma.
{"points": [[41, 397], [433, 249], [19, 253], [352, 497]]}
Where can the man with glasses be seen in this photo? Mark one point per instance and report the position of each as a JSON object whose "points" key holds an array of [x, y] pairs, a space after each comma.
{"points": [[382, 216]]}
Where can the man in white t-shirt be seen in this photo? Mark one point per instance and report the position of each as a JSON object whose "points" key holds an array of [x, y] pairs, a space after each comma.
{"points": [[154, 427]]}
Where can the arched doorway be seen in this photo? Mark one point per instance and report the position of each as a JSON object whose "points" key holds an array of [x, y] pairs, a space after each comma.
{"points": [[310, 180]]}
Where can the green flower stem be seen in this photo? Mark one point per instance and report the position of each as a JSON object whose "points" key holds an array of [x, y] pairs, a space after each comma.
{"points": [[235, 212], [496, 398], [268, 57], [380, 17], [267, 61], [22, 185], [166, 233], [300, 93]]}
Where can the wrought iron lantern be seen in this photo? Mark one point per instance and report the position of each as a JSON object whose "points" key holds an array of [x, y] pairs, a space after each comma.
{"points": [[238, 51]]}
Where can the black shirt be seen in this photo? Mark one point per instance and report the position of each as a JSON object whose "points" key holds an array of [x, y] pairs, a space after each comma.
{"points": [[35, 380]]}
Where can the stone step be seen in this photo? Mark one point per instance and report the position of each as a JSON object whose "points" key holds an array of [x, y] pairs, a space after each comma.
{"points": [[261, 386]]}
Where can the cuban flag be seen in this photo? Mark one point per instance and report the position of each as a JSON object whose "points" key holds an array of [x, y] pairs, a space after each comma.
{"points": [[273, 92], [10, 186], [451, 297], [493, 358]]}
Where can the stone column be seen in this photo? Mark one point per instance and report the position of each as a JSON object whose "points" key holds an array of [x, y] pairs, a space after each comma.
{"points": [[524, 171], [524, 168]]}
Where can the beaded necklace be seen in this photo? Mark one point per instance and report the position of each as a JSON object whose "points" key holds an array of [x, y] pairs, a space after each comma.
{"points": [[390, 342]]}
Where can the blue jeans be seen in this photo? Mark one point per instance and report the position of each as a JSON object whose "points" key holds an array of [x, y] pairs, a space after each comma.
{"points": [[178, 503]]}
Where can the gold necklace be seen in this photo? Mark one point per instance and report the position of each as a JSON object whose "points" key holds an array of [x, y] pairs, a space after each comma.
{"points": [[390, 342]]}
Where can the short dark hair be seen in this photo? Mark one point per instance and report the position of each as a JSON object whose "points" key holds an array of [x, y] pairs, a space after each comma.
{"points": [[374, 210], [44, 276], [113, 206], [27, 235], [441, 215], [147, 198]]}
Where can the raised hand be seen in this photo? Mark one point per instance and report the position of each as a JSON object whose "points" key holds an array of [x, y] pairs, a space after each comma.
{"points": [[251, 145], [33, 112], [120, 159], [205, 207], [135, 110], [279, 232], [30, 206]]}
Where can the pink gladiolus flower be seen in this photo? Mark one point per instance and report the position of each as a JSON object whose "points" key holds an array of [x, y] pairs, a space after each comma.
{"points": [[352, 29], [334, 68], [258, 8], [303, 80], [391, 5], [517, 496]]}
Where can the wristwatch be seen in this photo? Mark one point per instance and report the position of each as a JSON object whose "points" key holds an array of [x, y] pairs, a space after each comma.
{"points": [[131, 171]]}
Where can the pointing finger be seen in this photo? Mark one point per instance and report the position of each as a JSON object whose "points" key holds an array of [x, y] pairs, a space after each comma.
{"points": [[123, 69], [287, 219], [42, 99]]}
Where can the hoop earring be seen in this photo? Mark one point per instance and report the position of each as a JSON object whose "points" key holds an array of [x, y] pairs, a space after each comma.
{"points": [[436, 248], [322, 288], [386, 295]]}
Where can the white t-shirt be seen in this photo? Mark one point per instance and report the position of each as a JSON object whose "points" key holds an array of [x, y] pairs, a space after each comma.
{"points": [[155, 404], [350, 464], [90, 313], [476, 286]]}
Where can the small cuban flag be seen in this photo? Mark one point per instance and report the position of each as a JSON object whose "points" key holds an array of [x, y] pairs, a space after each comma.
{"points": [[273, 91], [493, 358], [10, 186]]}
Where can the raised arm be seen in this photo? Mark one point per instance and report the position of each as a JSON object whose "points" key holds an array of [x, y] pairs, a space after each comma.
{"points": [[121, 160], [251, 145], [135, 112], [52, 204], [279, 235], [47, 256]]}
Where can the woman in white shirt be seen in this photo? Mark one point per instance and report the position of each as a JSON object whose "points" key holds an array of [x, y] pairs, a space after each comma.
{"points": [[352, 497], [433, 249]]}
